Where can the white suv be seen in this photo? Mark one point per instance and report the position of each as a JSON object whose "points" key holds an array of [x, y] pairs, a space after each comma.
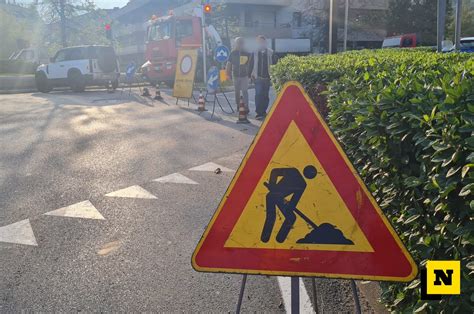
{"points": [[78, 67]]}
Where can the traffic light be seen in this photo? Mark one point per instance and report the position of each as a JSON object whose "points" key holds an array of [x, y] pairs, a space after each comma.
{"points": [[207, 8], [108, 31]]}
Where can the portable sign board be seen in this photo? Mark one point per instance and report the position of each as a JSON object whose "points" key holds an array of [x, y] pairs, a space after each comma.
{"points": [[222, 54], [297, 207], [213, 81], [185, 73]]}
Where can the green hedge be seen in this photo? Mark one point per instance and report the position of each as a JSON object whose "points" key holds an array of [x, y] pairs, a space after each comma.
{"points": [[17, 67], [405, 118]]}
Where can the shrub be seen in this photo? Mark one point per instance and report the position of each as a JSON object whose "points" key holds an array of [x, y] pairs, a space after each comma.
{"points": [[406, 121]]}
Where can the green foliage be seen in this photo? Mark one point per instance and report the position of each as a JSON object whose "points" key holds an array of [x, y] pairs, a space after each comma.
{"points": [[14, 29], [467, 16], [406, 120], [413, 16], [78, 22]]}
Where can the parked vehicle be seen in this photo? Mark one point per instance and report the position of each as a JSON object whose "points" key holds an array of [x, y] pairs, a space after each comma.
{"points": [[400, 41], [33, 55], [78, 67], [467, 44], [165, 35]]}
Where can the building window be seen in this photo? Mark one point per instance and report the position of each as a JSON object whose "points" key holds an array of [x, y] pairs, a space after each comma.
{"points": [[297, 19], [248, 18]]}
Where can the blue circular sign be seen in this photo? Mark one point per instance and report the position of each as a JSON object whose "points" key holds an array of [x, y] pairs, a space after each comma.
{"points": [[222, 54]]}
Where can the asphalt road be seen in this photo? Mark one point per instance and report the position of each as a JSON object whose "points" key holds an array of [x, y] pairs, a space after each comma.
{"points": [[94, 156]]}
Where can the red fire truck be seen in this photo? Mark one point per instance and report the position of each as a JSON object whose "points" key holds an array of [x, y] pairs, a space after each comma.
{"points": [[165, 35]]}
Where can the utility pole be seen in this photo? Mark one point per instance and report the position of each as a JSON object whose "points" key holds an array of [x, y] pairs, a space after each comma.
{"points": [[457, 30], [441, 24], [62, 16], [204, 49], [331, 11], [346, 19]]}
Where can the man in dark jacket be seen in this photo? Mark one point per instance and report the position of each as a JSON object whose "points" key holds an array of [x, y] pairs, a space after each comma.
{"points": [[260, 63], [238, 69]]}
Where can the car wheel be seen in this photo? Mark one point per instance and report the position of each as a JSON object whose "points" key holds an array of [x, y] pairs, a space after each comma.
{"points": [[42, 83], [77, 81], [115, 84]]}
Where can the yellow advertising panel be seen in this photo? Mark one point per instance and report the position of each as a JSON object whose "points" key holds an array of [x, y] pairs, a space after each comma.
{"points": [[185, 73]]}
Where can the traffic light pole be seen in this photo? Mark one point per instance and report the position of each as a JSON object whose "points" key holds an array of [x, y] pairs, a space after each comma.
{"points": [[346, 19], [204, 50], [441, 23], [331, 9], [457, 29]]}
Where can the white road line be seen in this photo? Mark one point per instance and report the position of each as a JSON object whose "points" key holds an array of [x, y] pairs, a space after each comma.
{"points": [[79, 210], [133, 191], [285, 287], [175, 178], [19, 232], [210, 166]]}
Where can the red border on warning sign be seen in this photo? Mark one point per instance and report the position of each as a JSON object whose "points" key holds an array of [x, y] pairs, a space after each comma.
{"points": [[390, 260]]}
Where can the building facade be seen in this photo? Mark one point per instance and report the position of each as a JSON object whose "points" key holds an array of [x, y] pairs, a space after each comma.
{"points": [[275, 19]]}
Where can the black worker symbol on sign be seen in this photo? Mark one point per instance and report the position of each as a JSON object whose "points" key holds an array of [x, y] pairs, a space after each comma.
{"points": [[285, 189]]}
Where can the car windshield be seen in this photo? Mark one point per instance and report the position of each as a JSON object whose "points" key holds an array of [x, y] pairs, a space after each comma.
{"points": [[391, 42], [467, 43], [159, 31]]}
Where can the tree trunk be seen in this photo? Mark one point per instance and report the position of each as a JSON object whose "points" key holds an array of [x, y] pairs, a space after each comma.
{"points": [[62, 16]]}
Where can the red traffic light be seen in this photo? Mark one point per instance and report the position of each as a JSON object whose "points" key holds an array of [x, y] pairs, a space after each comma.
{"points": [[207, 8], [108, 27]]}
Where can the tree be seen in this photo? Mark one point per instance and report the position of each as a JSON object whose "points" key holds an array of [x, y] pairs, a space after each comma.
{"points": [[18, 30], [467, 15], [61, 11], [414, 16]]}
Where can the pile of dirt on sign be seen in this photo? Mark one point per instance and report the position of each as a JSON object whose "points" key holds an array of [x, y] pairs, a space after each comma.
{"points": [[325, 234]]}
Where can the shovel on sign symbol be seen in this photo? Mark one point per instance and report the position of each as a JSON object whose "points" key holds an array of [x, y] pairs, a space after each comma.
{"points": [[326, 233]]}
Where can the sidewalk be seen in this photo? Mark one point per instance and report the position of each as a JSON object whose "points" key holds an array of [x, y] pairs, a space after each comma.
{"points": [[12, 84]]}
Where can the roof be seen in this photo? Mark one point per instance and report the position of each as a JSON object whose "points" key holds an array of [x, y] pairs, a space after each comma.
{"points": [[20, 12], [129, 7], [85, 46]]}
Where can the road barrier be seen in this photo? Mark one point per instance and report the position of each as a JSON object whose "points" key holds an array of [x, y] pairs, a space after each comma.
{"points": [[201, 102]]}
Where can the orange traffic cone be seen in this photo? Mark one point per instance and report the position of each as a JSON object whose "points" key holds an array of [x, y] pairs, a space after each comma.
{"points": [[110, 88], [242, 112], [146, 92], [158, 93], [201, 102]]}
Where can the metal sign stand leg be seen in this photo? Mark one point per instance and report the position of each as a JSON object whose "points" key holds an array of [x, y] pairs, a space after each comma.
{"points": [[214, 104], [219, 103], [227, 99], [315, 295], [356, 296], [295, 295], [241, 294]]}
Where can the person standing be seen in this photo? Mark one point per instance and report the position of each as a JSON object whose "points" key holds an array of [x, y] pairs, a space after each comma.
{"points": [[238, 69], [260, 63]]}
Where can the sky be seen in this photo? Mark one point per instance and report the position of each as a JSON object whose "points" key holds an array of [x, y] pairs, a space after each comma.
{"points": [[104, 4], [109, 4]]}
